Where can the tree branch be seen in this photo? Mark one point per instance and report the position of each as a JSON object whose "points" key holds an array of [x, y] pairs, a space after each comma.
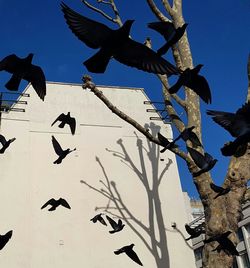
{"points": [[159, 15]]}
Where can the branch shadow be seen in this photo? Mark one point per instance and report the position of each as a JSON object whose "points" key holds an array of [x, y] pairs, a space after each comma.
{"points": [[150, 178]]}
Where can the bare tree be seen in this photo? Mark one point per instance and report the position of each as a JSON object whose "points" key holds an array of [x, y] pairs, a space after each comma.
{"points": [[221, 214]]}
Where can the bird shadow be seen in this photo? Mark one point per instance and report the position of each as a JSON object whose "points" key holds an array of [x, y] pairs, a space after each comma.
{"points": [[152, 232]]}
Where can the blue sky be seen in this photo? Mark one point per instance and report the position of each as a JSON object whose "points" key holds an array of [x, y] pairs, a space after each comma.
{"points": [[219, 37]]}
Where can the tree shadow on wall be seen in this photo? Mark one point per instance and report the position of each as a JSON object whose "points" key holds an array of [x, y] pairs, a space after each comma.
{"points": [[150, 178]]}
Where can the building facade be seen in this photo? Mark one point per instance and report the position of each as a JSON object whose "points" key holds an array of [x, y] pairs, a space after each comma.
{"points": [[114, 170]]}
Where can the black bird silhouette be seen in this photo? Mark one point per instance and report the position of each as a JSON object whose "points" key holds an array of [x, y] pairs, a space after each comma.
{"points": [[116, 44], [5, 238], [194, 232], [205, 162], [237, 124], [59, 151], [117, 227], [5, 143], [55, 203], [166, 143], [198, 83], [168, 31], [22, 68], [66, 119], [130, 252], [219, 190], [99, 218], [188, 134], [225, 243]]}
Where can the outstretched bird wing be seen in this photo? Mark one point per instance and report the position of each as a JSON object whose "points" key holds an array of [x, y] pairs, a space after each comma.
{"points": [[64, 203], [216, 188], [72, 125], [9, 63], [112, 222], [57, 147], [50, 202], [225, 120], [132, 255], [61, 117], [137, 55], [2, 139], [37, 79], [166, 28], [198, 158], [91, 32]]}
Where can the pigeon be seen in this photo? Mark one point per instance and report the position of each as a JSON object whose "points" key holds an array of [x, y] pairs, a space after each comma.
{"points": [[168, 31], [224, 243], [114, 44], [188, 134], [194, 232], [219, 190], [59, 151], [205, 162], [166, 143], [22, 68], [55, 203], [237, 124], [99, 218], [66, 119], [5, 238], [191, 79], [130, 252], [117, 227], [5, 143]]}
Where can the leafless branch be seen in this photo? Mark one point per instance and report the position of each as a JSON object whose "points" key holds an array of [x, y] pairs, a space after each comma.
{"points": [[156, 11]]}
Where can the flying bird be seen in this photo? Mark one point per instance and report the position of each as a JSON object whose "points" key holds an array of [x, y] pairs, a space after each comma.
{"points": [[99, 218], [5, 143], [188, 134], [59, 151], [237, 124], [5, 238], [205, 162], [198, 83], [130, 252], [219, 190], [55, 203], [225, 243], [22, 68], [194, 232], [168, 31], [117, 227], [166, 143], [114, 44], [66, 119]]}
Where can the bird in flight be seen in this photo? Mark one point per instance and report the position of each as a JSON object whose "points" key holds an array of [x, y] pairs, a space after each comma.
{"points": [[130, 252], [219, 190], [117, 227], [99, 218], [205, 162], [22, 68], [66, 119], [55, 203], [194, 232], [5, 238], [191, 79], [168, 31], [114, 44], [5, 143], [188, 134], [237, 124], [166, 143], [59, 151], [225, 243]]}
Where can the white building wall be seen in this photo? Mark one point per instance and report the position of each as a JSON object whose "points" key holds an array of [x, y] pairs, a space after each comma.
{"points": [[28, 178]]}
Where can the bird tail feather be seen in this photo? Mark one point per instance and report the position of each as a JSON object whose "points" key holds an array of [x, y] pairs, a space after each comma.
{"points": [[13, 83], [97, 63]]}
